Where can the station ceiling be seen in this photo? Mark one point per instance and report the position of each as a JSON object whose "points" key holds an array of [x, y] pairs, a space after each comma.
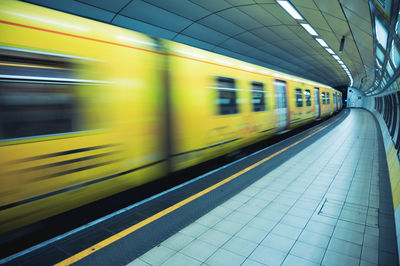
{"points": [[256, 31]]}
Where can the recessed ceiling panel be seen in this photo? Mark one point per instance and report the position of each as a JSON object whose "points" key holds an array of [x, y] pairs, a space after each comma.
{"points": [[284, 32], [240, 2], [265, 1], [236, 16], [363, 23], [136, 25], [279, 13], [212, 6], [259, 15], [338, 26], [201, 32], [304, 3], [315, 18], [220, 24], [357, 6], [251, 39], [266, 34], [236, 46], [330, 7], [77, 8], [194, 42], [153, 15], [184, 8], [113, 6]]}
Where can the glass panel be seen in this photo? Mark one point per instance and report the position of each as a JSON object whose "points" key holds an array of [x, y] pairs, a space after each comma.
{"points": [[389, 69], [299, 98], [381, 33], [395, 55], [258, 97], [397, 26], [307, 93], [226, 96], [33, 101], [379, 54]]}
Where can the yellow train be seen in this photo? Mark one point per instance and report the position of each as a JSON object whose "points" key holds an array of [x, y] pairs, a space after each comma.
{"points": [[89, 109]]}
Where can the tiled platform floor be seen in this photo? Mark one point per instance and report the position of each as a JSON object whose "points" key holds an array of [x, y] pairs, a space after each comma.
{"points": [[319, 207]]}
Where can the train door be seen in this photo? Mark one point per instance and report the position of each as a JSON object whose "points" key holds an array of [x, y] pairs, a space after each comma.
{"points": [[317, 103], [337, 102], [281, 104], [334, 99]]}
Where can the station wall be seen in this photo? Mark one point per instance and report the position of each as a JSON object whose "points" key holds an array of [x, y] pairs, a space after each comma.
{"points": [[386, 109]]}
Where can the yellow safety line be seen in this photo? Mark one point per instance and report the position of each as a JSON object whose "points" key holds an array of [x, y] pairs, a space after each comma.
{"points": [[26, 65], [170, 209]]}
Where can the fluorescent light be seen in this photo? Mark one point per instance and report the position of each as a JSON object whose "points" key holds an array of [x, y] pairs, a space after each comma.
{"points": [[310, 29], [336, 57], [330, 50], [290, 9], [322, 42]]}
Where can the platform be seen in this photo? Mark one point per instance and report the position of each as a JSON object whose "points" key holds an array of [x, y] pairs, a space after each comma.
{"points": [[321, 197]]}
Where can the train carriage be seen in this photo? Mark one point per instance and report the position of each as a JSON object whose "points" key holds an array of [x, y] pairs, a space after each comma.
{"points": [[88, 109], [80, 119]]}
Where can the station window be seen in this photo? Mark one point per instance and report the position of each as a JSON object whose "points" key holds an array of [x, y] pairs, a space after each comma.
{"points": [[394, 117], [36, 95], [397, 145], [227, 96], [328, 99], [307, 93], [381, 33], [323, 97], [258, 96], [299, 98]]}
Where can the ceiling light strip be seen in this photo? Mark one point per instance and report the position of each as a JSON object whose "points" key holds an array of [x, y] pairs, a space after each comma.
{"points": [[309, 29], [296, 15], [322, 42], [290, 9]]}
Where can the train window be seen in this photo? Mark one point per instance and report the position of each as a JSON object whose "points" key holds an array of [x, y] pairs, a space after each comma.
{"points": [[299, 98], [328, 99], [36, 94], [258, 96], [307, 93], [323, 97], [227, 99]]}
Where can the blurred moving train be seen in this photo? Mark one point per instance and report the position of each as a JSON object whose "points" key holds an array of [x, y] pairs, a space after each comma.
{"points": [[89, 109]]}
